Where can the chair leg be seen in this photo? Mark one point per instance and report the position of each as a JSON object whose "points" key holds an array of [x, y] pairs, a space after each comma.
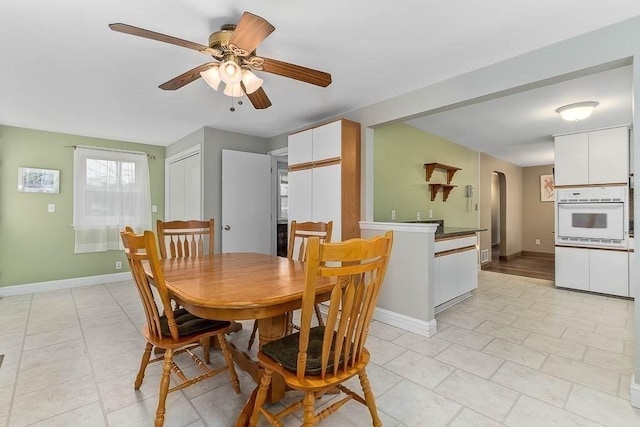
{"points": [[143, 365], [368, 397], [252, 338], [205, 343], [224, 347], [309, 418], [319, 315], [164, 387], [261, 397]]}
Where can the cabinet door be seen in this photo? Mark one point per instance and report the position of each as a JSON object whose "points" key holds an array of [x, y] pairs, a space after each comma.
{"points": [[437, 283], [467, 270], [300, 196], [327, 198], [572, 268], [327, 141], [632, 275], [609, 156], [572, 159], [300, 147], [609, 272], [449, 277]]}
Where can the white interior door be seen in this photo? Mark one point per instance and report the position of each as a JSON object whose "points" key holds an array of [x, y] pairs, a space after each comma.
{"points": [[246, 202], [184, 187]]}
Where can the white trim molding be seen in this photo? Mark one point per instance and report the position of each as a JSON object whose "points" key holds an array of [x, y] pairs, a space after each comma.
{"points": [[635, 392], [417, 326], [53, 285]]}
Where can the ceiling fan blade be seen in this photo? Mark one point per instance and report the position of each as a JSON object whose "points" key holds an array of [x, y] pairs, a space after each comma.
{"points": [[304, 74], [141, 32], [259, 99], [186, 78], [250, 31]]}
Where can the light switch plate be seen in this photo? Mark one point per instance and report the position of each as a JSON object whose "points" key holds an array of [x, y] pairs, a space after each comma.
{"points": [[51, 207], [154, 208]]}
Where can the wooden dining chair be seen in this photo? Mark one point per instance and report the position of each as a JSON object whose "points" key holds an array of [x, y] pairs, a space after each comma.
{"points": [[299, 234], [185, 238], [176, 331], [321, 358]]}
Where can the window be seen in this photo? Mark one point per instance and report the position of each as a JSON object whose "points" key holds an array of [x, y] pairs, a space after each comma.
{"points": [[111, 190]]}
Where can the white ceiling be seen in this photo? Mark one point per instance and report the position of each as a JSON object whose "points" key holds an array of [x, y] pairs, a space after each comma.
{"points": [[63, 69], [518, 128]]}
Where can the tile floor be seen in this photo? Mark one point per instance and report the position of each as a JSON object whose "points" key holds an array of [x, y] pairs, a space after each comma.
{"points": [[518, 353]]}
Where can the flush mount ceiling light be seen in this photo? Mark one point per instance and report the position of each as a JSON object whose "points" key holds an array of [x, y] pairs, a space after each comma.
{"points": [[577, 111]]}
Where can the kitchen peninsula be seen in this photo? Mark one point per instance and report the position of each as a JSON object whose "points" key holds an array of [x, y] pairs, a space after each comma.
{"points": [[431, 268]]}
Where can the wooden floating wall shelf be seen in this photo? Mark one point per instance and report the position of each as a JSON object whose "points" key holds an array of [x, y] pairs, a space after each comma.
{"points": [[446, 189], [435, 187], [451, 170]]}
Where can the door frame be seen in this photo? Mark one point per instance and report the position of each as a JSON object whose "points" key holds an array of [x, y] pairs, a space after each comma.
{"points": [[188, 152], [278, 152]]}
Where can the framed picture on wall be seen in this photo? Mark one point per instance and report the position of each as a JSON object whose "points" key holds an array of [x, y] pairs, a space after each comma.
{"points": [[547, 189], [35, 180]]}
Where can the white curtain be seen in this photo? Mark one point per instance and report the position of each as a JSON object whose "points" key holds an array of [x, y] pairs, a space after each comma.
{"points": [[111, 190]]}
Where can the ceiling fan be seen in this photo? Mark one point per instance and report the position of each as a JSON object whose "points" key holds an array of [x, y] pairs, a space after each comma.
{"points": [[234, 47]]}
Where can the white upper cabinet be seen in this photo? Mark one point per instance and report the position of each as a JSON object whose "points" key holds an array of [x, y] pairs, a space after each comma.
{"points": [[596, 157], [324, 177], [327, 141], [300, 147], [313, 145], [609, 156], [572, 159]]}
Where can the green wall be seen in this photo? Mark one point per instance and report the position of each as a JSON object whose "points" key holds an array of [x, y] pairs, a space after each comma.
{"points": [[399, 179], [37, 246]]}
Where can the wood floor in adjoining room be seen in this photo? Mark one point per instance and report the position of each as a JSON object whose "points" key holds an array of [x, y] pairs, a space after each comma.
{"points": [[539, 266]]}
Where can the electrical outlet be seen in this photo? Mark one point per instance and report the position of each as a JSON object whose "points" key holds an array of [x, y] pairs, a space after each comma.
{"points": [[393, 214], [537, 241], [418, 215], [118, 265]]}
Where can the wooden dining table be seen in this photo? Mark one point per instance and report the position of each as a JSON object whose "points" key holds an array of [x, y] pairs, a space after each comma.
{"points": [[242, 286]]}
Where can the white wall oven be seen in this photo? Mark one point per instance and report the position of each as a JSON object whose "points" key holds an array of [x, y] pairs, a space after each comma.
{"points": [[592, 217]]}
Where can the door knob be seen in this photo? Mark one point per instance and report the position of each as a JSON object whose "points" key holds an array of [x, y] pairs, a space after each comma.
{"points": [[227, 227]]}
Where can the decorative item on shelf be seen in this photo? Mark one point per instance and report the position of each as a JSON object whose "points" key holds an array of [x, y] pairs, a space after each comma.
{"points": [[435, 187]]}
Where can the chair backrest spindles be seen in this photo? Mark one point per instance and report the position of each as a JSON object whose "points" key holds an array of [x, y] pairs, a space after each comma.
{"points": [[185, 238], [140, 248], [299, 233], [357, 268]]}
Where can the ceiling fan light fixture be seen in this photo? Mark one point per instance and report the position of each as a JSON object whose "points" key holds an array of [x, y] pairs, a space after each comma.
{"points": [[251, 82], [578, 111], [230, 71], [234, 90], [212, 77]]}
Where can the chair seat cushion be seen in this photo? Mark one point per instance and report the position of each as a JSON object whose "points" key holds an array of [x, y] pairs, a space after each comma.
{"points": [[285, 351], [189, 324]]}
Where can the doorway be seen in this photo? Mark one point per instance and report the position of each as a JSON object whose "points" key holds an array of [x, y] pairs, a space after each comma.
{"points": [[280, 202], [498, 216]]}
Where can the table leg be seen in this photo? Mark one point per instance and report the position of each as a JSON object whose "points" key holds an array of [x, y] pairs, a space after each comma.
{"points": [[271, 329]]}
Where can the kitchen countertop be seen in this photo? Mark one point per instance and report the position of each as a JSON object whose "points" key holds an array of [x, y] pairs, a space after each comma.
{"points": [[448, 232]]}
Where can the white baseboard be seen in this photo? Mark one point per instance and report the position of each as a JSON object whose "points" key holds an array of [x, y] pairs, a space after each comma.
{"points": [[28, 288], [635, 393], [411, 324], [417, 326]]}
